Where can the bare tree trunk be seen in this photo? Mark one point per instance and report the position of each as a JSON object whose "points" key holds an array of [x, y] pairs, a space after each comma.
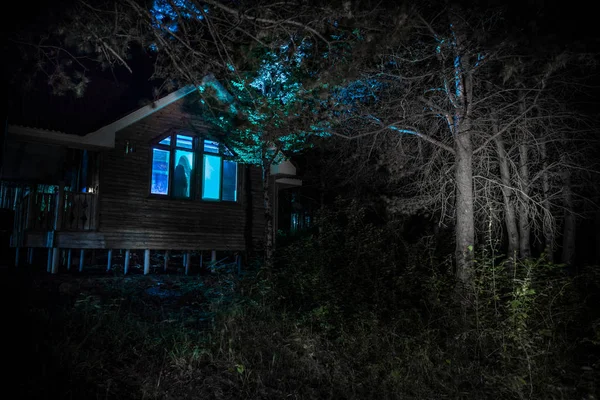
{"points": [[524, 227], [548, 226], [568, 244], [465, 223], [268, 204], [510, 217], [463, 147], [597, 229]]}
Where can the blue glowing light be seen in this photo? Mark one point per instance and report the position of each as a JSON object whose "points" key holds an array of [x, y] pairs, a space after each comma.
{"points": [[356, 93], [172, 10], [211, 178], [160, 171], [167, 13], [457, 76], [408, 131], [480, 57], [211, 146], [182, 141]]}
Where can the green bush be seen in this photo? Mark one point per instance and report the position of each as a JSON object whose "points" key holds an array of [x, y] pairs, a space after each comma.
{"points": [[351, 312], [356, 278]]}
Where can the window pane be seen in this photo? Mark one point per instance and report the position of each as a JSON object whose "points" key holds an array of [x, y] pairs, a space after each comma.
{"points": [[211, 146], [227, 152], [182, 176], [185, 141], [160, 171], [211, 177], [229, 180], [166, 141]]}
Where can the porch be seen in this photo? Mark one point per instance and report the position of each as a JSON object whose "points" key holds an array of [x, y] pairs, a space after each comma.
{"points": [[40, 217], [64, 225]]}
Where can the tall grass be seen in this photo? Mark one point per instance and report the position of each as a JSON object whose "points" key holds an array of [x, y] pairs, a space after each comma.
{"points": [[351, 314]]}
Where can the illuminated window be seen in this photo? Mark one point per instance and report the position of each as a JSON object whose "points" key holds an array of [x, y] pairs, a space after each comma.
{"points": [[173, 166], [182, 175], [211, 146], [211, 177], [229, 192], [177, 157], [166, 141], [219, 176], [160, 171]]}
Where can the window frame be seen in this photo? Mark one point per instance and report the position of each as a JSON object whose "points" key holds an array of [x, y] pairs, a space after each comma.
{"points": [[197, 178]]}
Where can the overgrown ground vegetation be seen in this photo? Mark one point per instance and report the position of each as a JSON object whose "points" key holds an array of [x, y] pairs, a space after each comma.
{"points": [[482, 117], [354, 312]]}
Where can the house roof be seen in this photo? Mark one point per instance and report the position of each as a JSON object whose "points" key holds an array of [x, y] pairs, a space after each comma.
{"points": [[104, 137]]}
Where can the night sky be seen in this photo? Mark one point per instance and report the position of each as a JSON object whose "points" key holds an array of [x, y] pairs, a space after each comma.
{"points": [[109, 96], [352, 310], [112, 94]]}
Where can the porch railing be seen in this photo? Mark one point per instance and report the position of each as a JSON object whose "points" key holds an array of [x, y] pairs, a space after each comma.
{"points": [[68, 211], [79, 212]]}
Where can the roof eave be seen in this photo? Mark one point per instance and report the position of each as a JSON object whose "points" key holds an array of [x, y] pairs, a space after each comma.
{"points": [[103, 138], [57, 137], [108, 131]]}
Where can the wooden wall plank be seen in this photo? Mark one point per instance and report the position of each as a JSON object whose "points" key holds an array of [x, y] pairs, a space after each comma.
{"points": [[130, 218], [155, 240]]}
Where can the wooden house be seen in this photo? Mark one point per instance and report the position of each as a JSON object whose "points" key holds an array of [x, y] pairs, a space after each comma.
{"points": [[156, 179]]}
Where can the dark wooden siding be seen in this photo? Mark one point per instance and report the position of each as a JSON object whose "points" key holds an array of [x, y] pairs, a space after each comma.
{"points": [[257, 206], [130, 218]]}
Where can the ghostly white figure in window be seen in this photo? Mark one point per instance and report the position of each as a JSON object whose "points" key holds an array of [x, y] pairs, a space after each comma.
{"points": [[181, 178]]}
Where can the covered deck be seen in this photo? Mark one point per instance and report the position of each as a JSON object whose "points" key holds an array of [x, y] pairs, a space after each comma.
{"points": [[46, 219], [65, 224]]}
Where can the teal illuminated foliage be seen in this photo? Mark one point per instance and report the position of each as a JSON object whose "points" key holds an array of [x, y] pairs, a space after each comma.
{"points": [[166, 13], [270, 97], [269, 111]]}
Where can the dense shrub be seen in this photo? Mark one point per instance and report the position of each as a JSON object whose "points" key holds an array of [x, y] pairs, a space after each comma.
{"points": [[351, 312], [524, 332]]}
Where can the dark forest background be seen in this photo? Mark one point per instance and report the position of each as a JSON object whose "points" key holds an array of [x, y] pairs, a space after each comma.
{"points": [[450, 236]]}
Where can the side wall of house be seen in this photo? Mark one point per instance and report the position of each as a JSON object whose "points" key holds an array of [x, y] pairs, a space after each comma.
{"points": [[130, 218]]}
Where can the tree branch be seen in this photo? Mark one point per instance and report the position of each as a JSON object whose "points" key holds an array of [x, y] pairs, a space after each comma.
{"points": [[504, 129], [266, 20], [411, 131]]}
